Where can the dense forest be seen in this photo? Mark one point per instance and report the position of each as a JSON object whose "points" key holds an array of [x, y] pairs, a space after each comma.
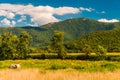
{"points": [[109, 39]]}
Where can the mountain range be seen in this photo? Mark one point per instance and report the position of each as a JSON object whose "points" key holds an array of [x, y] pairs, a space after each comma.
{"points": [[77, 28]]}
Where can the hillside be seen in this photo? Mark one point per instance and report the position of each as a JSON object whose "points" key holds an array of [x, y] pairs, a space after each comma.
{"points": [[109, 39], [72, 28]]}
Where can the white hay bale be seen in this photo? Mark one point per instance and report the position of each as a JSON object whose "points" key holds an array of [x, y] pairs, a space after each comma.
{"points": [[14, 66]]}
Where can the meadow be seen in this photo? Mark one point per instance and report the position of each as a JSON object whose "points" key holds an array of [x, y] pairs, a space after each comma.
{"points": [[56, 64], [69, 74], [57, 69]]}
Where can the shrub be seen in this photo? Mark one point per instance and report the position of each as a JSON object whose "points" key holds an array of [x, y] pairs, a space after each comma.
{"points": [[87, 50], [43, 56], [57, 66], [101, 52]]}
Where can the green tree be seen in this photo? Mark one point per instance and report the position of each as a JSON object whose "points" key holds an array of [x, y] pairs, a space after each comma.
{"points": [[101, 52], [8, 44], [23, 47], [87, 50], [57, 44]]}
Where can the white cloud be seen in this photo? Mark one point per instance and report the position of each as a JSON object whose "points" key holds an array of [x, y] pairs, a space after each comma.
{"points": [[102, 12], [86, 9], [13, 23], [38, 14], [22, 18], [5, 21], [2, 13], [7, 14], [10, 15], [108, 21], [66, 10]]}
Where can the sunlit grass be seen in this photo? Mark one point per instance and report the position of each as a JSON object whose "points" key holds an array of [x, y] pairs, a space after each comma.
{"points": [[69, 74], [84, 66], [60, 70]]}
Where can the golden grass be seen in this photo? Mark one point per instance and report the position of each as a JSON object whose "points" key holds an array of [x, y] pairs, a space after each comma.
{"points": [[69, 74]]}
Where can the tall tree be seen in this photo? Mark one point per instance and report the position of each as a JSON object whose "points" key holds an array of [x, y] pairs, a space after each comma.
{"points": [[87, 50], [57, 44], [23, 47], [7, 47], [101, 52]]}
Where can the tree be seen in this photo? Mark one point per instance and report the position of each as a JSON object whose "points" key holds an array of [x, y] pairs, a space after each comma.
{"points": [[7, 47], [101, 52], [87, 50], [57, 44], [23, 47]]}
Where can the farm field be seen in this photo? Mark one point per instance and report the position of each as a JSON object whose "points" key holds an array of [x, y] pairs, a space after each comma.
{"points": [[60, 70], [68, 74], [56, 64]]}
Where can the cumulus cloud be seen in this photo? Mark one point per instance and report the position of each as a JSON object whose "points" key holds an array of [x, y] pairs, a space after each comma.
{"points": [[10, 15], [5, 21], [7, 14], [108, 21], [66, 10], [38, 14]]}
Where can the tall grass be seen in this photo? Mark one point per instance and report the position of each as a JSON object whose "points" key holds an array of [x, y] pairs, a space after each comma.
{"points": [[84, 66], [60, 70], [69, 74]]}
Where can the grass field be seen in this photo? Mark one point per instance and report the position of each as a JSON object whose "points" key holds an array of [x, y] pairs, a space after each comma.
{"points": [[56, 64], [69, 74], [60, 70]]}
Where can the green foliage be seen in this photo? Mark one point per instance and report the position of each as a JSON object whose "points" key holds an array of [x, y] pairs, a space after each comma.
{"points": [[56, 66], [87, 50], [85, 66], [101, 52], [43, 56], [23, 48], [8, 46], [109, 39], [12, 47], [57, 44], [33, 50]]}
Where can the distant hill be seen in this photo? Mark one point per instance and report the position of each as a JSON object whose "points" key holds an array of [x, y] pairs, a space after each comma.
{"points": [[72, 28], [109, 39]]}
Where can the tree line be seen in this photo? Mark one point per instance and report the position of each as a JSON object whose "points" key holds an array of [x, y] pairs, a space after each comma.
{"points": [[18, 47], [13, 46], [57, 46]]}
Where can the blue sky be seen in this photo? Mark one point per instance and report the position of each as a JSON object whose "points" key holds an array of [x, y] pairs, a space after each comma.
{"points": [[40, 12]]}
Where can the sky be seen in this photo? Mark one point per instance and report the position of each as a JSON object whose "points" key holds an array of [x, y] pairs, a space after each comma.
{"points": [[41, 12]]}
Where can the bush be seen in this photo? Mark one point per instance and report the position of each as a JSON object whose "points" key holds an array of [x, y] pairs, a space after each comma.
{"points": [[101, 52], [109, 66], [55, 66], [113, 58], [87, 50], [43, 56]]}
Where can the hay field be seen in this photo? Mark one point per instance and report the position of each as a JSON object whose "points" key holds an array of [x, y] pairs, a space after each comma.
{"points": [[60, 70], [69, 74]]}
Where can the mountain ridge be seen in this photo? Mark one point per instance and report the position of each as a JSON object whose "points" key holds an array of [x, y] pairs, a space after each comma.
{"points": [[72, 28]]}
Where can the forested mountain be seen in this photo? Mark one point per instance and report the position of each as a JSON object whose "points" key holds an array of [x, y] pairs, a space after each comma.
{"points": [[109, 39], [72, 28]]}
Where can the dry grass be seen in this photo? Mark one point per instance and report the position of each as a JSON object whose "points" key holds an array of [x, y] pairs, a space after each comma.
{"points": [[69, 74]]}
